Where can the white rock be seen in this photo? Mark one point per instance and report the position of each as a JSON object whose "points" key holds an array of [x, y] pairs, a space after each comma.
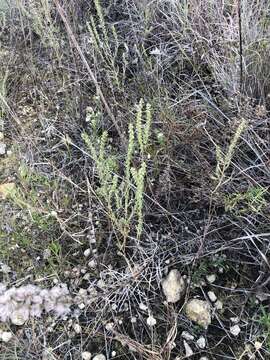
{"points": [[143, 307], [235, 330], [92, 264], [99, 357], [199, 312], [113, 354], [19, 317], [77, 328], [109, 326], [235, 319], [188, 350], [86, 355], [81, 306], [219, 305], [258, 345], [201, 342], [6, 336], [87, 253], [204, 358], [212, 296], [211, 278], [2, 148], [151, 321], [173, 286], [187, 336]]}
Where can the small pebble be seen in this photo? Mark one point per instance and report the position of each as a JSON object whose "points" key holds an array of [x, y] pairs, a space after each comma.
{"points": [[99, 357], [77, 328], [219, 305], [3, 148], [235, 319], [212, 296], [187, 336], [86, 355], [6, 336], [92, 264], [87, 253], [151, 321], [188, 350], [235, 330], [133, 320], [109, 326], [81, 306], [113, 354], [143, 307], [211, 278], [201, 342], [258, 345]]}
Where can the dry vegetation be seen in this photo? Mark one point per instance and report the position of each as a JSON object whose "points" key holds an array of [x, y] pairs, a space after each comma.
{"points": [[135, 140]]}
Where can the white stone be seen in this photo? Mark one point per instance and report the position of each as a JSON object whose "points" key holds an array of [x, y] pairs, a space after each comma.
{"points": [[99, 357], [87, 252], [92, 264], [235, 319], [173, 286], [143, 307], [201, 342], [219, 305], [187, 336], [151, 321], [113, 354], [6, 336], [19, 317], [235, 330], [109, 326], [211, 278], [77, 328], [81, 306], [204, 358], [199, 312], [3, 148], [86, 355], [258, 345], [212, 296], [188, 350]]}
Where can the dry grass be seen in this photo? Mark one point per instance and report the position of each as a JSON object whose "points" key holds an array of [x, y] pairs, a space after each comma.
{"points": [[202, 66]]}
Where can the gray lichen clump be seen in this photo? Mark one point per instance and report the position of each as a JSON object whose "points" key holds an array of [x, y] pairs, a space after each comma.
{"points": [[17, 305]]}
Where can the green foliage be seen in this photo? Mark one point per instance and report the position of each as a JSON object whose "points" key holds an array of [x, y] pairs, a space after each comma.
{"points": [[123, 196], [253, 200], [106, 44], [224, 159], [39, 13], [264, 321]]}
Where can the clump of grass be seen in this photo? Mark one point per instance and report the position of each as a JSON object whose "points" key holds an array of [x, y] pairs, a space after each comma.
{"points": [[224, 160], [252, 200], [123, 195], [103, 45]]}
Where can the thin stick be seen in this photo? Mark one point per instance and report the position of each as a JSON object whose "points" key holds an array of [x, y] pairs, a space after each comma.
{"points": [[63, 15], [239, 10]]}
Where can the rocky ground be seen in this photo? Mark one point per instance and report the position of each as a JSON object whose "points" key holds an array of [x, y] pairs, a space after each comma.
{"points": [[134, 180]]}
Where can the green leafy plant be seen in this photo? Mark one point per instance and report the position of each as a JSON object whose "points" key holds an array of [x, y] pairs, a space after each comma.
{"points": [[252, 200], [123, 196], [103, 36], [224, 160], [264, 321]]}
